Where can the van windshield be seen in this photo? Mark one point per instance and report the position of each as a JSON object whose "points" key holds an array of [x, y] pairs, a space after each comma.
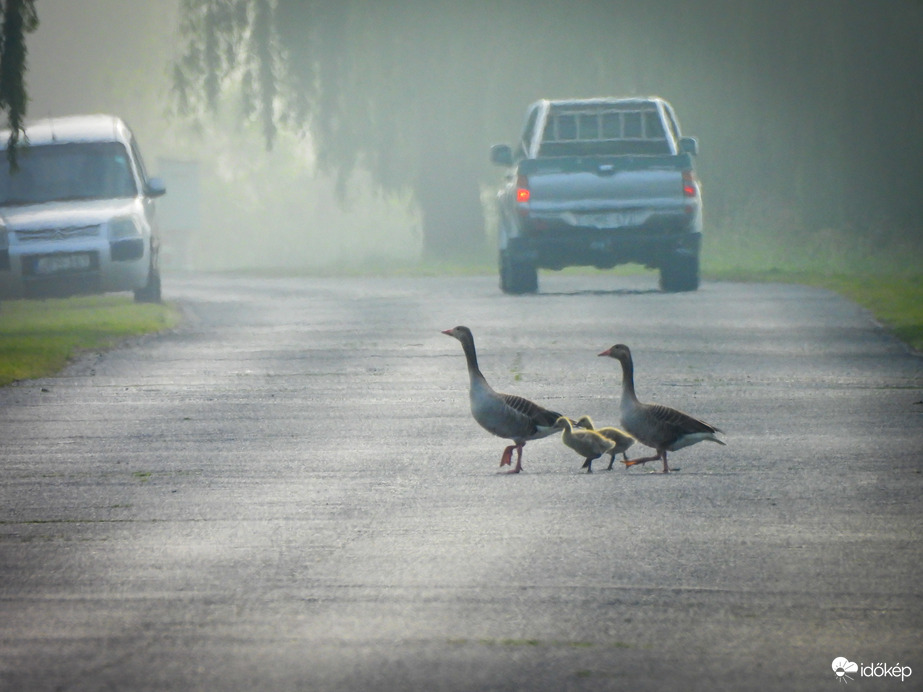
{"points": [[71, 171]]}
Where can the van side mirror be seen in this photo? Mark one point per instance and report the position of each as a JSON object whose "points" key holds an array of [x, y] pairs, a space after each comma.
{"points": [[689, 145], [155, 187], [501, 154]]}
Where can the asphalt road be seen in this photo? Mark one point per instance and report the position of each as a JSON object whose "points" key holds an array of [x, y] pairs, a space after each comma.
{"points": [[288, 493]]}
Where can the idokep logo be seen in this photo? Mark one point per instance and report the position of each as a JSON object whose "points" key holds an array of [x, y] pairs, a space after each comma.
{"points": [[843, 666]]}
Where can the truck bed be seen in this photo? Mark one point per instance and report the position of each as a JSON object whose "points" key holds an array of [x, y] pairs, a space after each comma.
{"points": [[604, 191]]}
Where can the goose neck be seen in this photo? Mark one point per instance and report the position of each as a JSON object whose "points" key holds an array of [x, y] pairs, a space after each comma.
{"points": [[628, 380], [471, 357]]}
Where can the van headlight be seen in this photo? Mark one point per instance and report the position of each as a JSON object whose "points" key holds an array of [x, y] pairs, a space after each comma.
{"points": [[126, 243], [123, 228]]}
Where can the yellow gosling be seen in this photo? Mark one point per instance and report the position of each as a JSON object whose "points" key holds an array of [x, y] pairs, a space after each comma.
{"points": [[623, 441], [587, 443]]}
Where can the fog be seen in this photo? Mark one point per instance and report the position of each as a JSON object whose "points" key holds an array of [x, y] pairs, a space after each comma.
{"points": [[807, 116], [256, 209]]}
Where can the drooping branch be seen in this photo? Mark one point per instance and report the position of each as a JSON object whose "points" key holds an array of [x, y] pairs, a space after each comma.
{"points": [[265, 75], [413, 92], [19, 18]]}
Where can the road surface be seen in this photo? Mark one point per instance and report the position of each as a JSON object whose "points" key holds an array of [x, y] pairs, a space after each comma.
{"points": [[288, 493]]}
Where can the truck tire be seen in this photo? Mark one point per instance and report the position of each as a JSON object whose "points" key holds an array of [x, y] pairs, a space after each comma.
{"points": [[680, 272], [517, 277]]}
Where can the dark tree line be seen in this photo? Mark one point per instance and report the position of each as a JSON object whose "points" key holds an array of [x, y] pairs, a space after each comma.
{"points": [[812, 106]]}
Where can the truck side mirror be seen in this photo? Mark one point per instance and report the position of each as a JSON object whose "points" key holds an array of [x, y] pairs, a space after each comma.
{"points": [[501, 154], [689, 145]]}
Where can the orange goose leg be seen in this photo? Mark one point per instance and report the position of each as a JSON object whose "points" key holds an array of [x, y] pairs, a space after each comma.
{"points": [[644, 460], [634, 462], [509, 458]]}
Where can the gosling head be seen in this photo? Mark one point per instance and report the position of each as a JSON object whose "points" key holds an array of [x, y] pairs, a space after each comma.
{"points": [[586, 422], [563, 423]]}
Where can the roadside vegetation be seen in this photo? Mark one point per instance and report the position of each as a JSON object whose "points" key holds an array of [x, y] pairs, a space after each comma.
{"points": [[877, 267], [895, 300], [39, 337]]}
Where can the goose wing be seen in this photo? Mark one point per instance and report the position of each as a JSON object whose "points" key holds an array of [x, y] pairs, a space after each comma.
{"points": [[540, 418], [668, 425]]}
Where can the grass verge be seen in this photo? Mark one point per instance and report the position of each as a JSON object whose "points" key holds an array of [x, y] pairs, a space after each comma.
{"points": [[873, 262], [892, 291], [896, 301], [39, 337]]}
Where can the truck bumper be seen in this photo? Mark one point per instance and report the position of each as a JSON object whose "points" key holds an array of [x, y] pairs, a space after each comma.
{"points": [[603, 249]]}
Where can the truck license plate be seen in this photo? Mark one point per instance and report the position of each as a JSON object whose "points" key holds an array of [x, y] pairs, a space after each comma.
{"points": [[615, 219], [55, 264]]}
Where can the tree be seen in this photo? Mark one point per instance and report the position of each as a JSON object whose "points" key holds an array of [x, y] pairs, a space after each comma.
{"points": [[413, 91], [793, 102], [338, 71], [19, 18]]}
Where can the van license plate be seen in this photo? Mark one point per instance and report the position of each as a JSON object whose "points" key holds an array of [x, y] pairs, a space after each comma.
{"points": [[55, 264]]}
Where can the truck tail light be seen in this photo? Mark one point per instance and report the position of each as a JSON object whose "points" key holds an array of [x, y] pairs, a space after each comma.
{"points": [[690, 184], [522, 189]]}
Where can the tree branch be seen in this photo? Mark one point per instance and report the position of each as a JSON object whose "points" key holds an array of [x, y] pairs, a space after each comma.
{"points": [[19, 18]]}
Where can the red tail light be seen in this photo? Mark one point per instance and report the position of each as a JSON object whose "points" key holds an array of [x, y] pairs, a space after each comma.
{"points": [[690, 184], [522, 189]]}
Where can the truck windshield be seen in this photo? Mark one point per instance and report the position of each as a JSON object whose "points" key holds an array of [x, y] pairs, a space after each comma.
{"points": [[71, 171]]}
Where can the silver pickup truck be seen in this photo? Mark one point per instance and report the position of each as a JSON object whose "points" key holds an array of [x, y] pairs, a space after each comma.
{"points": [[599, 182]]}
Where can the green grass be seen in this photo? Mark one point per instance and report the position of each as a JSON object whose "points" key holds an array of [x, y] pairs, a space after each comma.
{"points": [[39, 337], [896, 302], [877, 271], [876, 267]]}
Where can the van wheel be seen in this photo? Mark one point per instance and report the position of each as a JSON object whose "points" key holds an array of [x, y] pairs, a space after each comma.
{"points": [[517, 277], [151, 291]]}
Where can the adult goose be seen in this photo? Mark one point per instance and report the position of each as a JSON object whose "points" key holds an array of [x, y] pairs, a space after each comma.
{"points": [[589, 444], [505, 415], [623, 441], [661, 427]]}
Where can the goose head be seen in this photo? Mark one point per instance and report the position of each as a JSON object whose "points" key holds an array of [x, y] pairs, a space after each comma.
{"points": [[460, 332], [585, 422], [620, 352]]}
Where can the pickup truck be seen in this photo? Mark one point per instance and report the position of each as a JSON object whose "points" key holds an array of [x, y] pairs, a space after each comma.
{"points": [[599, 182]]}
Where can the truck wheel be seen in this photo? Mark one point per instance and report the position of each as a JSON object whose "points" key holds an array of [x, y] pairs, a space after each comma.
{"points": [[517, 277], [151, 291], [680, 272]]}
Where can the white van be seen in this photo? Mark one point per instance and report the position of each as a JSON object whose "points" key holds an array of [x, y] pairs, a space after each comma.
{"points": [[78, 216]]}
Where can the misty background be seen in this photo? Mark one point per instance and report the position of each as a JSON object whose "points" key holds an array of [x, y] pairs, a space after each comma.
{"points": [[380, 117]]}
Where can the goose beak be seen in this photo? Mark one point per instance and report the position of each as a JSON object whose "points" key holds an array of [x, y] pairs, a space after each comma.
{"points": [[447, 332], [607, 352]]}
